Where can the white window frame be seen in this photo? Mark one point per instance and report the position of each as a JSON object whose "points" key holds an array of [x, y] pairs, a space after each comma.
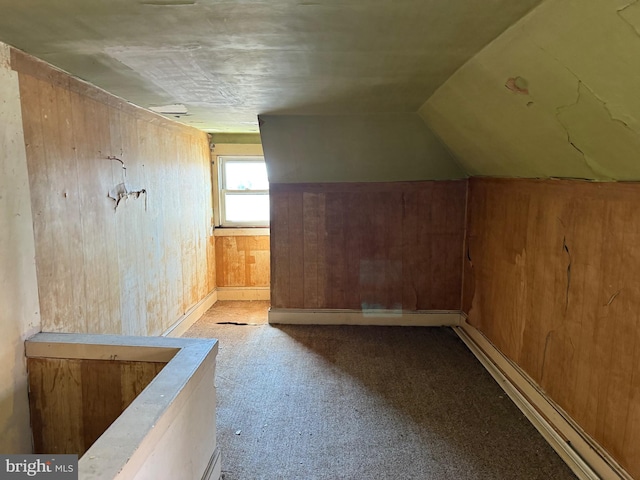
{"points": [[222, 190]]}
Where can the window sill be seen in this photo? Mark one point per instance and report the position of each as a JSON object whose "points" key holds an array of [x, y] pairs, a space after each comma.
{"points": [[241, 232]]}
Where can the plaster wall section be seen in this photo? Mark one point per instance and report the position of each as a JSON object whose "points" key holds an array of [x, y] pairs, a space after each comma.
{"points": [[554, 96], [354, 148], [19, 315]]}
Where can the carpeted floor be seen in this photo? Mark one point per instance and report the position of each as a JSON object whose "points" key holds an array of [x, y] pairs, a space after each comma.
{"points": [[340, 402]]}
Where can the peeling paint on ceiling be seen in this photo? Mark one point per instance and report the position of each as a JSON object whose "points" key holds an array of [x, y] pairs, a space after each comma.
{"points": [[580, 115]]}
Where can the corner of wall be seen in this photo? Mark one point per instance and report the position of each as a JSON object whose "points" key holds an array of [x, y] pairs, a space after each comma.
{"points": [[19, 316]]}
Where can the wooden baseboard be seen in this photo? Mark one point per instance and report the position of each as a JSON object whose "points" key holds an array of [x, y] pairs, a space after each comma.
{"points": [[424, 318], [192, 316], [244, 293], [580, 452]]}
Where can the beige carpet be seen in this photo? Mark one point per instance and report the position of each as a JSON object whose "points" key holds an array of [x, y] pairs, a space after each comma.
{"points": [[331, 402]]}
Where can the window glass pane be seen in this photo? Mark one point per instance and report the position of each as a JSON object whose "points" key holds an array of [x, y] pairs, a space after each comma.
{"points": [[247, 208], [245, 175]]}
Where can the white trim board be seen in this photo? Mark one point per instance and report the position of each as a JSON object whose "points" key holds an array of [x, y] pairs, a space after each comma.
{"points": [[192, 316], [421, 318], [244, 293], [214, 469], [581, 453]]}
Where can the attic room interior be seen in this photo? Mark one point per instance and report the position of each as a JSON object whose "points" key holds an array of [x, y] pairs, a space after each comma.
{"points": [[466, 165]]}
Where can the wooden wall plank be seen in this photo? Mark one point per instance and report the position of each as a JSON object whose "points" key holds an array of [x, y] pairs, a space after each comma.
{"points": [[230, 262], [178, 218], [296, 251], [202, 216], [55, 398], [101, 397], [279, 222], [134, 377], [211, 263], [355, 246], [410, 255], [359, 267], [551, 281], [94, 174], [153, 226], [55, 202], [336, 252], [243, 261], [310, 242], [131, 227], [73, 401], [103, 224], [391, 204], [321, 269], [102, 269]]}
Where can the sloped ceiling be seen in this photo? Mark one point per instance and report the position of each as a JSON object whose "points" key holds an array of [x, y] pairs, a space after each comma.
{"points": [[555, 96], [225, 62]]}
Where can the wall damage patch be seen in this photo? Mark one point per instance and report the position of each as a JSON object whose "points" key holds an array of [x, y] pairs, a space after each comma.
{"points": [[608, 144], [518, 85], [627, 16], [122, 191], [566, 249]]}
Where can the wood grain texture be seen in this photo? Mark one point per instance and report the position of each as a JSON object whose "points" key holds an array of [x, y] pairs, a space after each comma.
{"points": [[242, 261], [74, 401], [134, 268], [367, 245], [551, 279]]}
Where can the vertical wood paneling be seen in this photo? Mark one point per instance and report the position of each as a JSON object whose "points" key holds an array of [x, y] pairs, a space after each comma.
{"points": [[336, 251], [73, 401], [102, 280], [155, 288], [103, 269], [211, 262], [391, 203], [130, 224], [134, 377], [55, 398], [177, 224], [203, 214], [321, 268], [359, 265], [310, 220], [410, 255], [54, 198], [279, 223], [242, 261], [296, 251], [361, 246], [101, 397], [551, 279]]}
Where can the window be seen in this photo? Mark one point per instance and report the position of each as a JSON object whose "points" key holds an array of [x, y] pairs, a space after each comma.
{"points": [[244, 192]]}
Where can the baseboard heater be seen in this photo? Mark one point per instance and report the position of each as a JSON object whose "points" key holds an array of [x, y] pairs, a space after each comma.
{"points": [[579, 451]]}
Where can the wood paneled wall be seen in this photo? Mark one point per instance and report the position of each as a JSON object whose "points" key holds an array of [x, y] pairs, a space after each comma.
{"points": [[551, 278], [132, 267], [73, 401], [242, 261], [367, 245]]}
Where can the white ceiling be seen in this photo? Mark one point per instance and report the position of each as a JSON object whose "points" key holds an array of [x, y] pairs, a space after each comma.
{"points": [[228, 61]]}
